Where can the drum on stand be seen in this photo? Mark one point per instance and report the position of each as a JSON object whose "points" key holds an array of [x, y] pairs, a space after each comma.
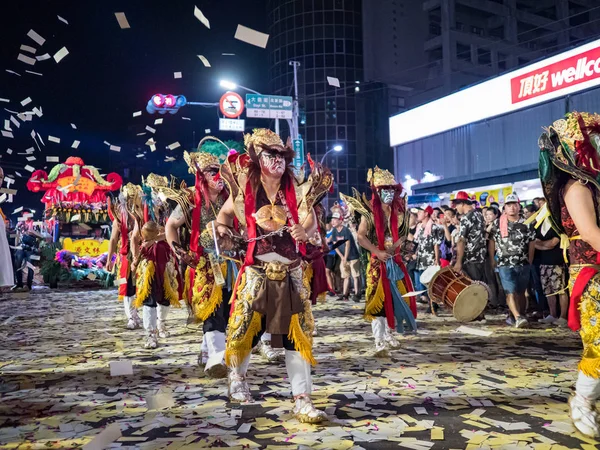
{"points": [[428, 275], [467, 298]]}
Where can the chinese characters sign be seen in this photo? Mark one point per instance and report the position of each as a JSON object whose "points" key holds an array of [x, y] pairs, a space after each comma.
{"points": [[84, 185], [556, 76]]}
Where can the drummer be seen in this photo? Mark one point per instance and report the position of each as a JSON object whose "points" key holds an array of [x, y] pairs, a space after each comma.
{"points": [[428, 238]]}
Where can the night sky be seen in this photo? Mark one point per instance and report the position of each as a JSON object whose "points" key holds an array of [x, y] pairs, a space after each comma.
{"points": [[111, 72]]}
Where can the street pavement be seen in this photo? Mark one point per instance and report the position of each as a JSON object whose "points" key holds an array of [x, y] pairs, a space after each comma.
{"points": [[445, 388]]}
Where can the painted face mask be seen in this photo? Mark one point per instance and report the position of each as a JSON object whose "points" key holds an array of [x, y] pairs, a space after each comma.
{"points": [[387, 196], [272, 163], [213, 179]]}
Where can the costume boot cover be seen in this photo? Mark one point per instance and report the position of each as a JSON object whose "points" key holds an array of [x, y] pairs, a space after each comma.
{"points": [[203, 356], [266, 350], [238, 387], [150, 318], [163, 313], [298, 370], [215, 366], [133, 320], [583, 405], [390, 339]]}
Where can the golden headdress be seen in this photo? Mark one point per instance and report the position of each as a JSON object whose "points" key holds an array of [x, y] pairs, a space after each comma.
{"points": [[203, 160], [155, 181], [130, 191], [263, 138], [378, 177]]}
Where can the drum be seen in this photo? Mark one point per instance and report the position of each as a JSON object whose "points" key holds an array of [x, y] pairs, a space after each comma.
{"points": [[428, 275], [466, 297]]}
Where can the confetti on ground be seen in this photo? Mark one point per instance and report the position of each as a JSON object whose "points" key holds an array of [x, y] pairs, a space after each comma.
{"points": [[477, 391], [123, 23]]}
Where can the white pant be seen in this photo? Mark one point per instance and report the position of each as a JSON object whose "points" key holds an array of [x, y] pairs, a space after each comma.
{"points": [[378, 326], [215, 343], [149, 317]]}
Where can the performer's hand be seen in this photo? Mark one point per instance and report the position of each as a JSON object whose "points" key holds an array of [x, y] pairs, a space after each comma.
{"points": [[299, 233], [223, 230], [457, 267], [109, 266], [382, 255]]}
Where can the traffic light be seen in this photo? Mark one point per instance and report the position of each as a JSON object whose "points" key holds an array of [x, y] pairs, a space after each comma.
{"points": [[165, 103]]}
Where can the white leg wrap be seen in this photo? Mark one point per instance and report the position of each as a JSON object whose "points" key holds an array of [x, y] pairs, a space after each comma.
{"points": [[266, 337], [204, 345], [127, 307], [378, 327], [583, 405], [298, 370], [163, 312], [215, 341], [133, 309], [149, 316], [587, 387]]}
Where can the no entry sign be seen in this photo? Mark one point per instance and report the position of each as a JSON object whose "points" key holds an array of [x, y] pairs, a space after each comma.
{"points": [[231, 105]]}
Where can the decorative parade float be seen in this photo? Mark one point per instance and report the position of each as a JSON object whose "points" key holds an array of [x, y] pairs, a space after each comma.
{"points": [[76, 213]]}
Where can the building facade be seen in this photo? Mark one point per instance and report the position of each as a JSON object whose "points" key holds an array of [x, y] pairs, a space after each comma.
{"points": [[325, 37]]}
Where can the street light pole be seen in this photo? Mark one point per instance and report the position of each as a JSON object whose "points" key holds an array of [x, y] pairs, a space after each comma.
{"points": [[336, 148], [296, 112]]}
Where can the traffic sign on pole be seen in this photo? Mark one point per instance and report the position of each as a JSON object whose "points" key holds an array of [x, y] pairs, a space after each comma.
{"points": [[269, 106], [231, 105], [232, 125], [299, 152]]}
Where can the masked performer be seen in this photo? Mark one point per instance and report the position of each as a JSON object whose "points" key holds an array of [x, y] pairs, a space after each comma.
{"points": [[156, 279], [570, 175], [123, 213], [272, 293], [208, 278], [380, 231]]}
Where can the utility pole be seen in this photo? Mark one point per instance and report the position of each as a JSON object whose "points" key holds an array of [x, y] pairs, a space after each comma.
{"points": [[296, 112]]}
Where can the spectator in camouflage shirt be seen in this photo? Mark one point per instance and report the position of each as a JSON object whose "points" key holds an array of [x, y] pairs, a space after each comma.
{"points": [[514, 244], [471, 247], [428, 238]]}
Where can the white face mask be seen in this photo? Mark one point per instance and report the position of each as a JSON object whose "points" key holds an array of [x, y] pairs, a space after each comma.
{"points": [[387, 196]]}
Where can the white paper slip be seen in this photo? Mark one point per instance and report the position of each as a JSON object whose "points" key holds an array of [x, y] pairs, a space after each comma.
{"points": [[9, 151], [7, 134], [137, 114], [29, 168], [106, 437], [36, 37], [420, 410], [26, 59], [244, 428], [204, 60], [158, 122], [18, 210], [15, 122], [139, 155], [73, 126], [43, 57], [35, 257], [31, 158], [201, 17], [118, 368], [333, 81], [26, 101], [177, 74], [35, 73], [251, 36], [123, 23], [3, 198], [8, 191], [5, 100], [185, 118], [54, 139], [173, 146], [152, 148], [59, 55], [75, 144], [161, 400], [207, 130], [150, 129], [27, 48], [51, 158], [62, 19], [115, 148], [474, 331]]}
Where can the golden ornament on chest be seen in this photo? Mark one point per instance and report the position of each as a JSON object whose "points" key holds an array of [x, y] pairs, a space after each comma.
{"points": [[271, 217]]}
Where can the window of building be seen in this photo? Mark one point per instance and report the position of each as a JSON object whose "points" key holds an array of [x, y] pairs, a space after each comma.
{"points": [[341, 131], [463, 51], [276, 15], [339, 46], [319, 46], [329, 45], [484, 56], [338, 4]]}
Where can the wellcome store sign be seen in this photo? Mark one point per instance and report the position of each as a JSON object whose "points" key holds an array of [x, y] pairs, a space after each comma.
{"points": [[572, 71]]}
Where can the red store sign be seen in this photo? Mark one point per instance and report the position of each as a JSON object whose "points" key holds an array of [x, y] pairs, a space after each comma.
{"points": [[556, 76]]}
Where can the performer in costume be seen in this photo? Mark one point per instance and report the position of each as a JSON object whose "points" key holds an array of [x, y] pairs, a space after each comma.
{"points": [[570, 175], [208, 279], [272, 292], [123, 214], [381, 228], [156, 280], [6, 267]]}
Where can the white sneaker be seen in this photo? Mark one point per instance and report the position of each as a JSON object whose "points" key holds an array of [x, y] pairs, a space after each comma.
{"points": [[561, 323], [381, 350], [131, 324], [391, 340], [548, 320], [151, 340], [522, 322], [267, 351], [584, 416], [305, 411], [162, 330]]}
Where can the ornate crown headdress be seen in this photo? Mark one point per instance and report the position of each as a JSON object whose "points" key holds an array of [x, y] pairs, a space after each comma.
{"points": [[156, 181], [203, 160], [262, 138], [379, 177]]}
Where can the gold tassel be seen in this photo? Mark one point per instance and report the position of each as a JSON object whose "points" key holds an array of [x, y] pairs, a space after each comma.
{"points": [[205, 309], [186, 284], [145, 276], [375, 304], [235, 353], [402, 290], [590, 367], [170, 291], [301, 343]]}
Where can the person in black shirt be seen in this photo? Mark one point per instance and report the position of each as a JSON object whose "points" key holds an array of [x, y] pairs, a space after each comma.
{"points": [[350, 258], [552, 273]]}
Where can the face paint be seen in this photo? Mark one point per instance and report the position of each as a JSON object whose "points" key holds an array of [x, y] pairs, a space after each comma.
{"points": [[274, 164], [213, 179], [387, 196]]}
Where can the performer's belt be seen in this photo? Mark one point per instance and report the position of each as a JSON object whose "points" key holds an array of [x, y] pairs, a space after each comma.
{"points": [[277, 270]]}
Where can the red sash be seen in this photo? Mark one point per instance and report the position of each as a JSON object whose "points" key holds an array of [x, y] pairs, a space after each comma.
{"points": [[583, 278]]}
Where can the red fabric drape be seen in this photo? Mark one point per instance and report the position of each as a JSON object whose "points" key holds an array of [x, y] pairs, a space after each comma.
{"points": [[124, 268], [583, 278], [196, 218]]}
